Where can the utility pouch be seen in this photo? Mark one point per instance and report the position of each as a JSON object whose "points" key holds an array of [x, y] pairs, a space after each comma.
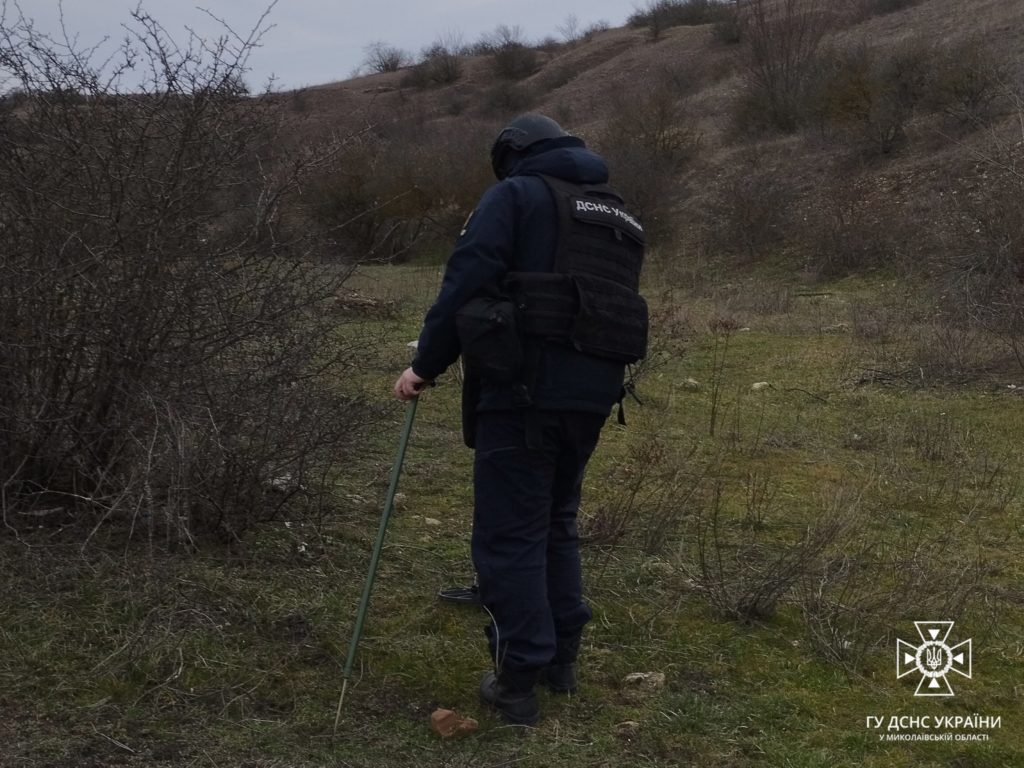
{"points": [[611, 321], [491, 348]]}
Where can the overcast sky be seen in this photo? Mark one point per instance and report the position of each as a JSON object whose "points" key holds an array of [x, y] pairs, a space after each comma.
{"points": [[319, 41]]}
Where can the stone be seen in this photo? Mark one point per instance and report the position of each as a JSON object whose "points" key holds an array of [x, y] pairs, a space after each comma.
{"points": [[638, 686], [447, 724], [627, 730]]}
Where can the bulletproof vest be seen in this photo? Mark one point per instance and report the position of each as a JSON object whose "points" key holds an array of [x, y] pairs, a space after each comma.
{"points": [[590, 300]]}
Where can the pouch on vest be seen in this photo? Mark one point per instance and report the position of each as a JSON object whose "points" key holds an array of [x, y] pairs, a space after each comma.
{"points": [[491, 348], [611, 321]]}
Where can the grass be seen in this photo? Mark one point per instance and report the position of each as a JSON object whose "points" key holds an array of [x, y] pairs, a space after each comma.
{"points": [[233, 657]]}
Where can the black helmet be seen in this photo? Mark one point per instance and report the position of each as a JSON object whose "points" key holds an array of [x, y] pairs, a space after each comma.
{"points": [[521, 133]]}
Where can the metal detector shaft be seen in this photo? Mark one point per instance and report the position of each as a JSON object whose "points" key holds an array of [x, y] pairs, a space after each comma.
{"points": [[389, 502]]}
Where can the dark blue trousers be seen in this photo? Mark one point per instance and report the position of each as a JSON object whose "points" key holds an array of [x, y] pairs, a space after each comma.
{"points": [[525, 543]]}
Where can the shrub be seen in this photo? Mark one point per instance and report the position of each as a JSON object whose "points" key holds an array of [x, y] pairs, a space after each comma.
{"points": [[866, 98], [512, 58], [881, 7], [381, 57], [853, 227], [506, 99], [162, 361], [570, 29], [782, 44], [440, 63], [748, 208], [659, 15], [596, 28], [967, 81], [647, 142], [728, 28], [747, 562]]}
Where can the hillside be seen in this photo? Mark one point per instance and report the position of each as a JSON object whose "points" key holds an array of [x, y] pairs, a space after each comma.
{"points": [[827, 450], [897, 106]]}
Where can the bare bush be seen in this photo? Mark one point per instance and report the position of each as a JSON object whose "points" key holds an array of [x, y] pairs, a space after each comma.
{"points": [[728, 28], [570, 29], [659, 15], [982, 273], [163, 356], [367, 201], [512, 57], [381, 57], [440, 63], [864, 99], [652, 499], [856, 598], [746, 563], [782, 43], [596, 28], [647, 141], [968, 81], [882, 7], [748, 208], [507, 99], [853, 227]]}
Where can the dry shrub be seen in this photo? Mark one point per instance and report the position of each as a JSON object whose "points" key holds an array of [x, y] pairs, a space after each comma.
{"points": [[868, 8], [504, 100], [381, 57], [440, 63], [452, 171], [951, 349], [729, 27], [968, 81], [867, 99], [367, 202], [650, 500], [783, 39], [511, 56], [647, 141], [853, 227], [747, 560], [872, 585], [659, 15], [748, 208], [167, 363], [981, 285]]}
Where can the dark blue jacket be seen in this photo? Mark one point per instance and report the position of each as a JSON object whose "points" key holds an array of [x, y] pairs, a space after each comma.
{"points": [[515, 229]]}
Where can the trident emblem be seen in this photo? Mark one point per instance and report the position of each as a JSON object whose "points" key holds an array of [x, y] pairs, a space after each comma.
{"points": [[933, 659]]}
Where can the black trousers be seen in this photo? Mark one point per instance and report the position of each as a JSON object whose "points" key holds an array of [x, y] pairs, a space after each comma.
{"points": [[525, 543]]}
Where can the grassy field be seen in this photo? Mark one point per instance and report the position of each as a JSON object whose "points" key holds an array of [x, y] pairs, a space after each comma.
{"points": [[761, 547]]}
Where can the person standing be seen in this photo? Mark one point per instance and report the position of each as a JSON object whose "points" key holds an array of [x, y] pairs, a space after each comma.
{"points": [[540, 297]]}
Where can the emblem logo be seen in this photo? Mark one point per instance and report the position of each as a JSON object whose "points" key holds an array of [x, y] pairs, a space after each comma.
{"points": [[934, 658]]}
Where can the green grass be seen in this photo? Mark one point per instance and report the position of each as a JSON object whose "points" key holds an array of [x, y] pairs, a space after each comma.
{"points": [[235, 657]]}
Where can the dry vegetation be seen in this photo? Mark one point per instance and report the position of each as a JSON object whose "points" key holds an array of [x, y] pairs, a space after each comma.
{"points": [[194, 290]]}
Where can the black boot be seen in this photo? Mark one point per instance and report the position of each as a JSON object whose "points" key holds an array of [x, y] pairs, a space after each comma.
{"points": [[560, 674], [518, 707], [560, 678]]}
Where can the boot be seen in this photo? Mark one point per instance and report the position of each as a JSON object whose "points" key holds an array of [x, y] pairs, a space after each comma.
{"points": [[517, 707], [560, 674], [560, 678]]}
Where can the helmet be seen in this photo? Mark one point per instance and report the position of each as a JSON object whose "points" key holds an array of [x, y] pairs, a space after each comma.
{"points": [[522, 132]]}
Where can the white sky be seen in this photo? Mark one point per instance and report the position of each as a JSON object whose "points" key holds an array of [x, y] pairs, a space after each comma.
{"points": [[319, 41]]}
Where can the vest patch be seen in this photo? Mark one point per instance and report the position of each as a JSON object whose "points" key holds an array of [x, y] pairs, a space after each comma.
{"points": [[610, 215]]}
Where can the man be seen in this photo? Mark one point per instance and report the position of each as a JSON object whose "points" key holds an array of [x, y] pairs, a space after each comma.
{"points": [[540, 297]]}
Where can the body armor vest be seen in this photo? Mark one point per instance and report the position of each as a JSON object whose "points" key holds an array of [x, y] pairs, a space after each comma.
{"points": [[591, 299]]}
